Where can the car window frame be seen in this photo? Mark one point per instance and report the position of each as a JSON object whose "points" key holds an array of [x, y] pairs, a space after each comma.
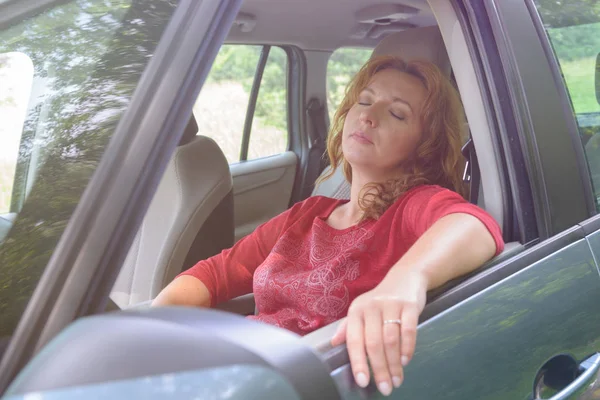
{"points": [[85, 263], [566, 195]]}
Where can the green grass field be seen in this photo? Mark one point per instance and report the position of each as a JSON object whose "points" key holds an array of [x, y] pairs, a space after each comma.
{"points": [[579, 75]]}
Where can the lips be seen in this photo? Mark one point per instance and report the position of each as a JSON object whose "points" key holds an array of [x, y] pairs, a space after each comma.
{"points": [[361, 137]]}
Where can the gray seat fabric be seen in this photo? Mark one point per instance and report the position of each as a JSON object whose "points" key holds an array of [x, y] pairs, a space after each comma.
{"points": [[189, 218]]}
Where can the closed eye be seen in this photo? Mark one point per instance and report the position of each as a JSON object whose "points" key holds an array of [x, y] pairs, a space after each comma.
{"points": [[398, 117], [364, 104]]}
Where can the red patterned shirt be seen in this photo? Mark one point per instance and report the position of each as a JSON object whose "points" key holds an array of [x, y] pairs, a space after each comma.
{"points": [[305, 273]]}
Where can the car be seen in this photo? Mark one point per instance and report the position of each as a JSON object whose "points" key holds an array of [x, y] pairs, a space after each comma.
{"points": [[140, 136]]}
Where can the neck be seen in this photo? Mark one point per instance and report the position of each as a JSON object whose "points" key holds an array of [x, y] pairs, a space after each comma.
{"points": [[359, 180]]}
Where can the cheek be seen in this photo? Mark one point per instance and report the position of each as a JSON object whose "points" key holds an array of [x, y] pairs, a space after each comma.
{"points": [[350, 119], [401, 144]]}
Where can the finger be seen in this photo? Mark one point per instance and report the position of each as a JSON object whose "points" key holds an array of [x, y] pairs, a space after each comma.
{"points": [[340, 334], [356, 348], [376, 351], [410, 320], [391, 342]]}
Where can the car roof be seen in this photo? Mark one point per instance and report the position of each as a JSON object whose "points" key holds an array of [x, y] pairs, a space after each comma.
{"points": [[333, 23]]}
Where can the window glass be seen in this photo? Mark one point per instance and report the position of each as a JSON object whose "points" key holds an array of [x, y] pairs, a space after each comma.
{"points": [[269, 134], [87, 57], [16, 75], [574, 31], [343, 64], [222, 106]]}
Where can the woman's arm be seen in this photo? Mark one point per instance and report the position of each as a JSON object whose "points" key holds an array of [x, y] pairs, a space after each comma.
{"points": [[453, 246], [184, 291]]}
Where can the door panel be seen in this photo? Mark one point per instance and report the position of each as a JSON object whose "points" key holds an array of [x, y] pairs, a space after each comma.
{"points": [[492, 345], [262, 189]]}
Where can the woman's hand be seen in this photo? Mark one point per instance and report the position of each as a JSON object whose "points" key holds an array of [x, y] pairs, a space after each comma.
{"points": [[388, 346]]}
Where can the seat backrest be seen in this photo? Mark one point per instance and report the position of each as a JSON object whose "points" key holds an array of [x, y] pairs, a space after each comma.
{"points": [[412, 44], [195, 191]]}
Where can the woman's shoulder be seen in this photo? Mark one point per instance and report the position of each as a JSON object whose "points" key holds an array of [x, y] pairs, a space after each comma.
{"points": [[422, 200], [424, 193]]}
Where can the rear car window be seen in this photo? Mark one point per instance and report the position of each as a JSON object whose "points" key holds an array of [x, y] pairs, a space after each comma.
{"points": [[227, 112]]}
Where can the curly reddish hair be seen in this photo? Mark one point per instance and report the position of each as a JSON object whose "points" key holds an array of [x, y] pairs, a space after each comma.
{"points": [[437, 160]]}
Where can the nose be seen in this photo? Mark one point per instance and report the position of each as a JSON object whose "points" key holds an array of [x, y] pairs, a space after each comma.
{"points": [[368, 116]]}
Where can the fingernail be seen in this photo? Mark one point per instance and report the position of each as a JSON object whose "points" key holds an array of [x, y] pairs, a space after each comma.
{"points": [[404, 361], [361, 380], [385, 388], [396, 381]]}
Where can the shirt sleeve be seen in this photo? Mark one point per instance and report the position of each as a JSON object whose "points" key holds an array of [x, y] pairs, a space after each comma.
{"points": [[428, 205], [229, 274]]}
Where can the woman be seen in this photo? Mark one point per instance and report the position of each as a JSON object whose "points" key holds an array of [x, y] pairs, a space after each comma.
{"points": [[405, 230]]}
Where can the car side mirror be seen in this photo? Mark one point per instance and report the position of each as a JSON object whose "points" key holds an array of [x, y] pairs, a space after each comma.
{"points": [[598, 78]]}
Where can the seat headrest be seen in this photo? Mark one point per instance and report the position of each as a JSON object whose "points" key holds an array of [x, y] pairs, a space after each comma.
{"points": [[190, 131], [416, 44]]}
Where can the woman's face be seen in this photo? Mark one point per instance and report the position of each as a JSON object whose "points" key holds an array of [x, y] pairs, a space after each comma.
{"points": [[383, 128]]}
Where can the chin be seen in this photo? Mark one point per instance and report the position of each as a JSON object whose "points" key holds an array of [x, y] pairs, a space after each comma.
{"points": [[359, 159]]}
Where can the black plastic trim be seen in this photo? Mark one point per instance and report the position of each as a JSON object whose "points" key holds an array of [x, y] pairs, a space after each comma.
{"points": [[297, 123], [565, 100], [87, 259], [260, 69]]}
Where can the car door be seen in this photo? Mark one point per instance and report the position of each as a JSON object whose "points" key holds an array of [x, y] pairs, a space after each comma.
{"points": [[116, 81], [527, 327]]}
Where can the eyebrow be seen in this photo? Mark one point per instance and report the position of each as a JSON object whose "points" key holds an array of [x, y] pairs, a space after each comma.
{"points": [[394, 99]]}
